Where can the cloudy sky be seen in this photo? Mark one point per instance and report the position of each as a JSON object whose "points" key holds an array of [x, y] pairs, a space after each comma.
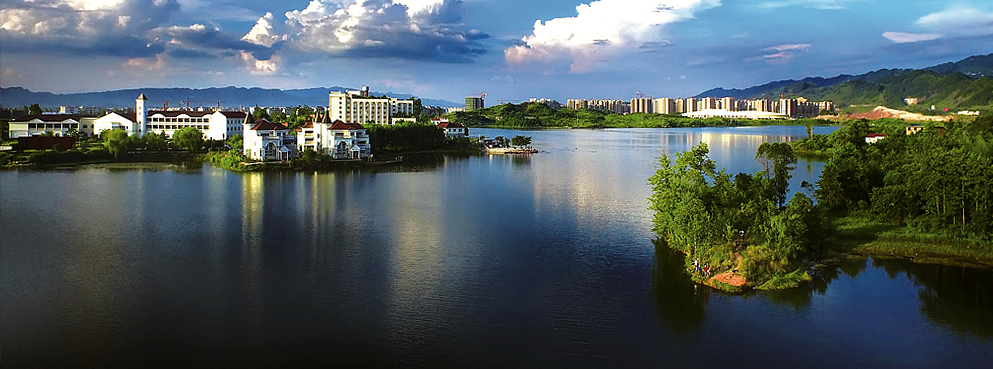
{"points": [[510, 49]]}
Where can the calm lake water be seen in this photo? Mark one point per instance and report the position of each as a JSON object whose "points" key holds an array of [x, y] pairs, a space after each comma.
{"points": [[502, 261]]}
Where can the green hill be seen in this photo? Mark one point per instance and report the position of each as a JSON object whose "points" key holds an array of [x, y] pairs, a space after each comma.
{"points": [[954, 91], [966, 84]]}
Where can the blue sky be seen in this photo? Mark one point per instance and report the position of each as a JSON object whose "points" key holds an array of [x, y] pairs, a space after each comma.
{"points": [[449, 49]]}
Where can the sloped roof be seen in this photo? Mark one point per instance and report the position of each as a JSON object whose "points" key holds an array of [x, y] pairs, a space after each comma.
{"points": [[450, 125], [194, 113], [308, 124], [339, 125], [265, 125], [53, 117]]}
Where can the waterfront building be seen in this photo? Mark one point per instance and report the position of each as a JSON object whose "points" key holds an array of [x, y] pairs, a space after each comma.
{"points": [[722, 113], [452, 130], [265, 140], [56, 124], [358, 106], [680, 106], [337, 139], [216, 125]]}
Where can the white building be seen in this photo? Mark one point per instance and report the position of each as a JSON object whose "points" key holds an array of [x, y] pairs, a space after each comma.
{"points": [[358, 106], [216, 125], [265, 140], [337, 139], [751, 114], [56, 124], [452, 130]]}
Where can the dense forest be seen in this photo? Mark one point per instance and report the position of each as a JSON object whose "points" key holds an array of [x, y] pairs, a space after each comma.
{"points": [[937, 180]]}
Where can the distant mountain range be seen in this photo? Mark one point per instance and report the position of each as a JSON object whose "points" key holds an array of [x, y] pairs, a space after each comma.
{"points": [[967, 83], [230, 97]]}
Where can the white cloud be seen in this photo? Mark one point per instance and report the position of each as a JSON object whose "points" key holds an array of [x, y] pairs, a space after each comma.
{"points": [[81, 21], [407, 29], [260, 67], [901, 37], [958, 21], [601, 30], [118, 28], [783, 54], [263, 33], [815, 4], [962, 21]]}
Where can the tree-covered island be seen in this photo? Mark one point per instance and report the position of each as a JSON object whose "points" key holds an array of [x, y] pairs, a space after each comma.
{"points": [[924, 195]]}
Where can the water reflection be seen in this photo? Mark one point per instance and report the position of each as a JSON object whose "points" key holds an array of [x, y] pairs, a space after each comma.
{"points": [[957, 297], [680, 302]]}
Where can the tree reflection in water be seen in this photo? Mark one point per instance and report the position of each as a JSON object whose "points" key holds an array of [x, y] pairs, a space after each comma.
{"points": [[954, 296], [680, 302]]}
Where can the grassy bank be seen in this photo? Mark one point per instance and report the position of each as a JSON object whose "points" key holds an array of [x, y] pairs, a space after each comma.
{"points": [[51, 158], [861, 236]]}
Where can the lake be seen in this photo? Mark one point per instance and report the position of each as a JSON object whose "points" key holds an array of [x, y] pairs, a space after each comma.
{"points": [[482, 261]]}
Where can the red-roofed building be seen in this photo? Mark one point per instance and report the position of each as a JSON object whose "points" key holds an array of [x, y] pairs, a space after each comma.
{"points": [[874, 137], [217, 125], [452, 130], [265, 140], [336, 138], [56, 124]]}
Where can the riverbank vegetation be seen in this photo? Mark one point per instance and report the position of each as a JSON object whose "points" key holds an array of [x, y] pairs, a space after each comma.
{"points": [[415, 137], [112, 146], [741, 223], [924, 196], [531, 115]]}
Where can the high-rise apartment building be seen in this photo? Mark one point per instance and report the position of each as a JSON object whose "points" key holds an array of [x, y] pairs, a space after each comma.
{"points": [[728, 103], [708, 103], [577, 104], [691, 104], [473, 103], [641, 105], [664, 105]]}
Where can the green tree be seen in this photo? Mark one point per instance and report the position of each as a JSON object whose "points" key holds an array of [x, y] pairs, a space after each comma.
{"points": [[520, 140], [116, 141], [260, 113], [188, 138], [155, 141], [235, 141], [778, 159], [34, 109], [309, 155], [418, 108]]}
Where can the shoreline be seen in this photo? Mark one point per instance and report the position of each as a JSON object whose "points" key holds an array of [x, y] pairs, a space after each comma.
{"points": [[884, 247]]}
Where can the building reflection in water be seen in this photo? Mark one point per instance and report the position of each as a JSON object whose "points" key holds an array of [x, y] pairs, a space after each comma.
{"points": [[252, 268]]}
